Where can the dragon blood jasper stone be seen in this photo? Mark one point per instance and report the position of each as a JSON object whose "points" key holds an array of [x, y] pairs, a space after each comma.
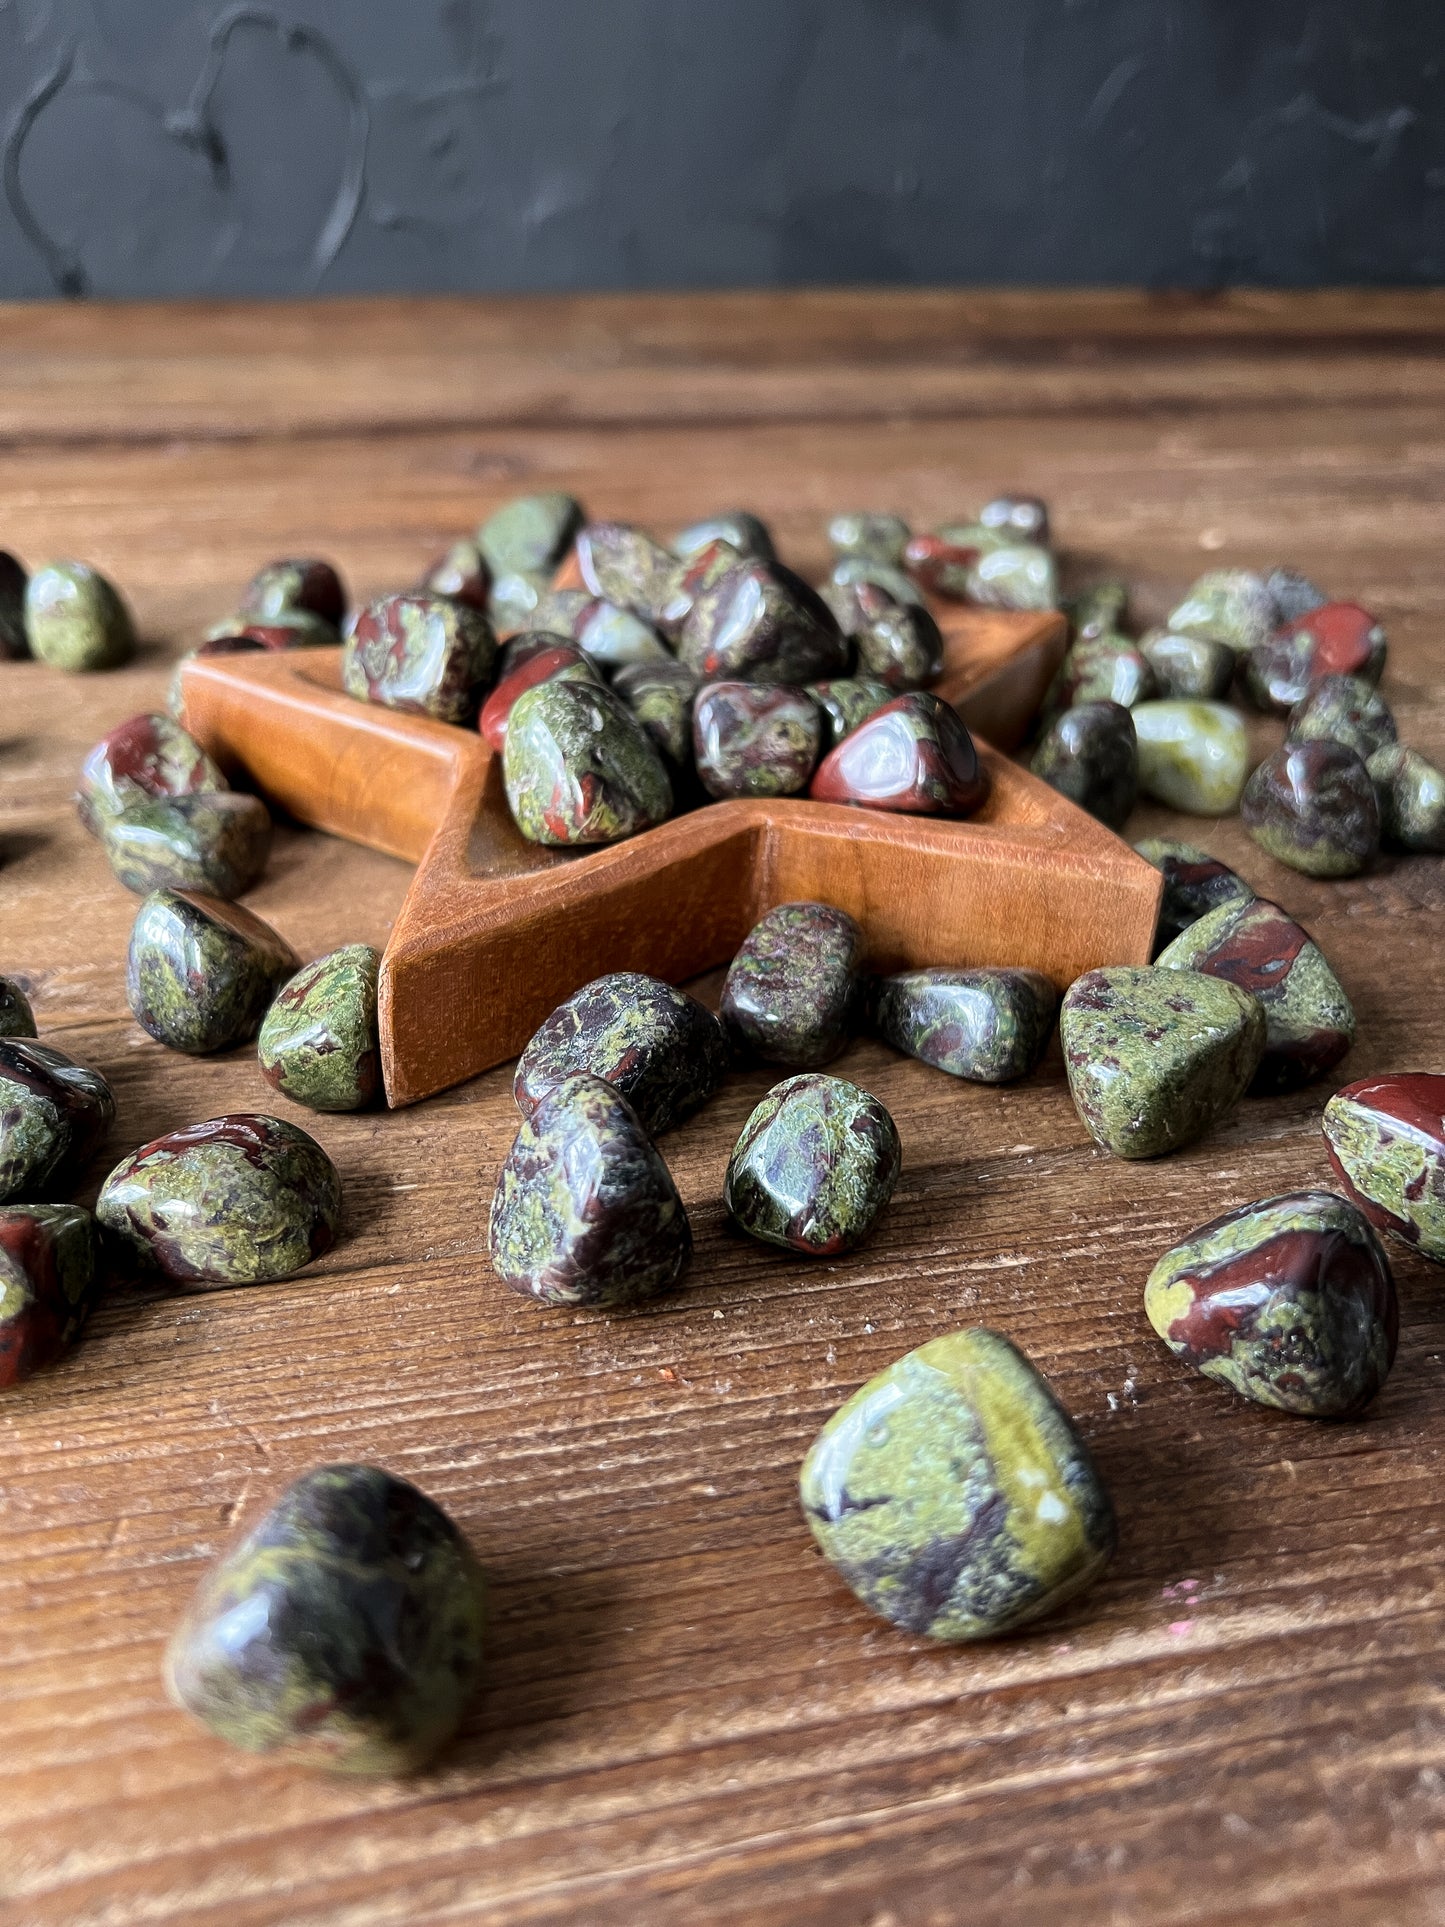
{"points": [[214, 842], [1227, 605], [614, 638], [660, 695], [1313, 806], [913, 755], [792, 993], [989, 1025], [1411, 796], [1156, 1056], [579, 768], [425, 655], [1090, 755], [851, 575], [319, 1043], [878, 538], [343, 1632], [1019, 517], [557, 662], [236, 1200], [1386, 1139], [1343, 709], [530, 534], [75, 619], [1294, 595], [1309, 1022], [897, 643], [625, 566], [1098, 610], [1188, 668], [214, 646], [282, 587], [1100, 669], [755, 739], [1337, 639], [845, 702], [953, 1494], [585, 1211], [287, 629], [1022, 575], [47, 1282], [17, 1019], [200, 973], [663, 1050], [940, 563], [1192, 756], [758, 622], [146, 756], [14, 645], [53, 1114], [1194, 884], [462, 574], [1290, 1302], [816, 1163], [746, 533]]}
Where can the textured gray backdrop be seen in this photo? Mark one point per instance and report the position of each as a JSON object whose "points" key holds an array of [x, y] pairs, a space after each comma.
{"points": [[176, 147]]}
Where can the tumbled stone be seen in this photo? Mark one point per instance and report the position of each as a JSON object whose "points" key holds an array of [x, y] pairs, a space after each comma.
{"points": [[660, 695], [761, 623], [1293, 595], [47, 1284], [914, 755], [1100, 669], [282, 587], [461, 573], [75, 619], [143, 757], [318, 1043], [989, 1025], [663, 1050], [626, 567], [53, 1114], [1191, 668], [287, 629], [816, 1163], [1343, 709], [236, 1200], [755, 739], [1410, 793], [1192, 756], [1309, 1021], [1019, 576], [953, 1494], [1090, 755], [200, 973], [1154, 1056], [17, 1019], [1194, 884], [850, 573], [1386, 1139], [746, 533], [878, 538], [616, 637], [1020, 517], [529, 535], [897, 643], [514, 602], [1098, 610], [343, 1632], [213, 646], [1313, 806], [1290, 1302], [845, 702], [579, 768], [556, 662], [792, 992], [521, 648], [424, 655], [1226, 605], [216, 843], [700, 573], [1337, 639], [14, 644], [940, 563], [585, 1211]]}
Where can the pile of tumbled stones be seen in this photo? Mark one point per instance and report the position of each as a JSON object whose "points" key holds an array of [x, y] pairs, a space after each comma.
{"points": [[952, 1492]]}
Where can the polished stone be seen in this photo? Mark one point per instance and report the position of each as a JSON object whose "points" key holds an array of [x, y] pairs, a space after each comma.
{"points": [[319, 1043], [425, 655], [529, 535], [792, 993], [282, 587], [54, 1113], [76, 620], [1343, 709], [1386, 1139], [755, 739], [579, 768], [1194, 884], [912, 755], [17, 1019], [215, 843], [990, 1025], [1337, 639], [1022, 575], [815, 1165], [1022, 518], [1193, 756], [615, 638], [1099, 610], [461, 573], [1313, 806], [845, 702], [287, 629], [660, 695], [743, 531], [1411, 797], [47, 1284], [143, 757], [1090, 754], [556, 662], [201, 973], [1226, 605], [940, 563], [1293, 595], [876, 537], [759, 622], [1100, 669], [624, 566], [897, 643], [1189, 668]]}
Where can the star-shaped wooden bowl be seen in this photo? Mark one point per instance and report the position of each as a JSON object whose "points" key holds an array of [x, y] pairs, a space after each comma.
{"points": [[496, 931]]}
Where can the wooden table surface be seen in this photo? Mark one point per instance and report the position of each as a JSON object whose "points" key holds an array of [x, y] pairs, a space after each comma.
{"points": [[686, 1718]]}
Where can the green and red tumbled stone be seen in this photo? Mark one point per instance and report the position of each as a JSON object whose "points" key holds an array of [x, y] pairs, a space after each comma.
{"points": [[897, 643], [793, 991], [816, 1163], [1386, 1139], [200, 973], [142, 758], [530, 534], [1194, 884], [988, 1025], [17, 1019], [758, 622], [1335, 639], [754, 739], [76, 620], [1090, 754], [425, 655], [914, 755], [1343, 709], [47, 1284], [54, 1113], [214, 842], [941, 563], [625, 566], [845, 702], [461, 573], [1290, 1302], [1313, 806], [660, 695], [281, 588], [614, 638], [319, 1043], [739, 528], [558, 662], [1101, 669], [286, 629], [579, 768], [1411, 795]]}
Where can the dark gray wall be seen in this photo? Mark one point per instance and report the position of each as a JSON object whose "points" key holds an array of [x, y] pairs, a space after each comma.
{"points": [[166, 147]]}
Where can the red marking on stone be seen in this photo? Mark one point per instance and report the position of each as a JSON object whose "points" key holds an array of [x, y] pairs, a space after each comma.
{"points": [[1412, 1101], [1258, 950], [891, 761], [538, 666], [1344, 638], [928, 558]]}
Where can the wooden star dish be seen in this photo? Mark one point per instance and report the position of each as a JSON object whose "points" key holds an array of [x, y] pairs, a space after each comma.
{"points": [[496, 931]]}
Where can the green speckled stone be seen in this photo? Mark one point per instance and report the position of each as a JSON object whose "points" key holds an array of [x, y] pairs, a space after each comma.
{"points": [[614, 638], [462, 572], [1293, 594], [286, 629], [1411, 796], [625, 566], [816, 1163], [216, 843], [989, 1025], [319, 1044], [1100, 669], [529, 535], [1156, 1056], [515, 601], [1290, 1302], [75, 619], [877, 538], [792, 992], [585, 1211], [200, 973], [746, 533], [237, 1200], [47, 1284], [14, 645], [1098, 610], [1226, 605], [282, 587], [1188, 668], [953, 1494], [1313, 806], [758, 622], [53, 1114], [424, 655], [1018, 518], [17, 1019], [1386, 1139], [755, 739], [343, 1632], [663, 1050], [1192, 756], [1021, 575], [1194, 884], [897, 643], [1090, 755], [660, 695], [1343, 709], [846, 702], [854, 572], [145, 756], [579, 768]]}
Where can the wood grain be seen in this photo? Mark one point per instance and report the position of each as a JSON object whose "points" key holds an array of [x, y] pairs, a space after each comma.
{"points": [[685, 1718]]}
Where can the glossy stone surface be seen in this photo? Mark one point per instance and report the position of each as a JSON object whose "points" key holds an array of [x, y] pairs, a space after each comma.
{"points": [[424, 655], [318, 1043], [579, 768], [530, 534], [1021, 575], [1098, 610], [1313, 806], [815, 1164], [343, 1632], [845, 702], [615, 638], [897, 643], [755, 739], [912, 755], [625, 566], [1022, 518], [1156, 1056], [878, 538], [663, 1050], [585, 1211], [144, 756], [236, 1200], [1191, 668], [557, 661], [1226, 605], [200, 973], [1410, 793], [743, 531], [1343, 709], [953, 1494], [1386, 1139], [1309, 1021], [851, 573], [53, 1114], [306, 584], [462, 573], [758, 622], [75, 619], [1290, 1302], [216, 843], [660, 695], [212, 646], [1090, 755], [702, 572], [1192, 756], [940, 563], [17, 1019], [14, 644], [1194, 884], [1337, 639], [1100, 669], [286, 629], [792, 992], [514, 602], [47, 1284], [990, 1025], [1293, 595]]}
